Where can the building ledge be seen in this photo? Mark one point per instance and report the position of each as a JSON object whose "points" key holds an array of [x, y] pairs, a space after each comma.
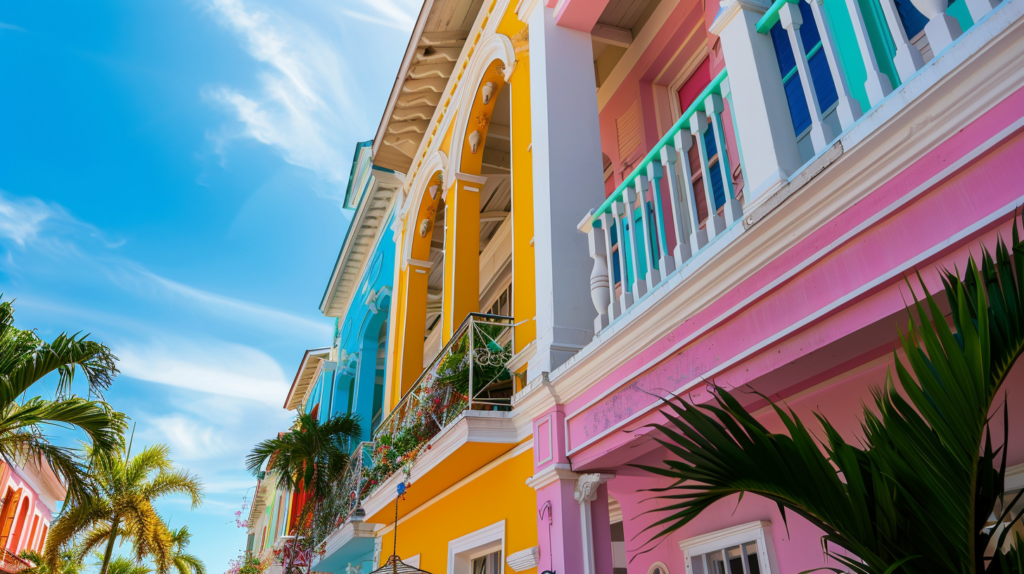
{"points": [[468, 443]]}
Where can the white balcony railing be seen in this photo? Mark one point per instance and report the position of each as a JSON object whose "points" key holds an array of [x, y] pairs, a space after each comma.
{"points": [[667, 210]]}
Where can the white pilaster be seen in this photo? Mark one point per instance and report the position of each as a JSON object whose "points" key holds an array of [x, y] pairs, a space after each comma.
{"points": [[586, 494], [760, 106], [567, 174]]}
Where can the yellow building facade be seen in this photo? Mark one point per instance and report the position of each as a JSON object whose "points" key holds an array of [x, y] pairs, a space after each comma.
{"points": [[458, 127]]}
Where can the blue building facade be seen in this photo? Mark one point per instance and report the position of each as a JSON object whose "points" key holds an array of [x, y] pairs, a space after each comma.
{"points": [[348, 377]]}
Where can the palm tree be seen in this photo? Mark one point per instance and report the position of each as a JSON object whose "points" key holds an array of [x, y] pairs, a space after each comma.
{"points": [[916, 497], [312, 458], [122, 565], [184, 562], [67, 563], [24, 360], [123, 507]]}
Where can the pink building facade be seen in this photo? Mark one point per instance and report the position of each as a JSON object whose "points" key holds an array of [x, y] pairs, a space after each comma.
{"points": [[30, 496], [905, 155]]}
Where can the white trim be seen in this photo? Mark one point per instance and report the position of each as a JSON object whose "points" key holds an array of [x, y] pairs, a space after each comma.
{"points": [[550, 420], [494, 47], [383, 495], [973, 91], [759, 531], [436, 162], [795, 270], [664, 569], [783, 333], [413, 561], [1014, 478], [474, 545]]}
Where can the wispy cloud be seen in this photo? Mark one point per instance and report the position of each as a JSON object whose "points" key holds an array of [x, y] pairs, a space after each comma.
{"points": [[6, 26], [304, 107], [216, 367], [51, 233], [229, 306], [399, 15], [22, 219]]}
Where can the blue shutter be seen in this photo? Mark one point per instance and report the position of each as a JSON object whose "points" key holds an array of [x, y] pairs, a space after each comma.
{"points": [[798, 111], [913, 21], [821, 75]]}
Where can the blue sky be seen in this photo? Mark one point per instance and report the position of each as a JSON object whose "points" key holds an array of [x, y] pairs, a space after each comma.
{"points": [[170, 179]]}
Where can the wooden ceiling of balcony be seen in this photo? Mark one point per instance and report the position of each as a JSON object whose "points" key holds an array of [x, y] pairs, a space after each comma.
{"points": [[437, 41]]}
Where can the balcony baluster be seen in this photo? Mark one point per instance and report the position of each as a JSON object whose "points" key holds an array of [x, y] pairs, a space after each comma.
{"points": [[643, 267]]}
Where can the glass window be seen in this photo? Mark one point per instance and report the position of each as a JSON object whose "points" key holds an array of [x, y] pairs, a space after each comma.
{"points": [[489, 564], [738, 559]]}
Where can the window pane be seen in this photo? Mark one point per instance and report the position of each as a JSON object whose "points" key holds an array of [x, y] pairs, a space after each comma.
{"points": [[716, 562], [698, 564], [754, 567], [735, 555]]}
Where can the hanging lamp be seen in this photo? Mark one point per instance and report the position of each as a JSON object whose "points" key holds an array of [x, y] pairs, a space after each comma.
{"points": [[394, 564]]}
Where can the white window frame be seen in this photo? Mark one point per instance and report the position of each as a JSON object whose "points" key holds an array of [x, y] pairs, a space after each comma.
{"points": [[759, 531], [463, 550], [664, 569]]}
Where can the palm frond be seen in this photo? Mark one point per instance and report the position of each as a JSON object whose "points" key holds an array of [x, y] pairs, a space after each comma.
{"points": [[916, 493]]}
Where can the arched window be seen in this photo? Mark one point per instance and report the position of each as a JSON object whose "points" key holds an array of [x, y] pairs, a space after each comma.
{"points": [[19, 526], [42, 538], [657, 568]]}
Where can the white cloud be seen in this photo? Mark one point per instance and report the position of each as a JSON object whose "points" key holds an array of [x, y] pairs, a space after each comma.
{"points": [[6, 26], [398, 15], [238, 308], [304, 107], [51, 234], [190, 440], [21, 219], [215, 367]]}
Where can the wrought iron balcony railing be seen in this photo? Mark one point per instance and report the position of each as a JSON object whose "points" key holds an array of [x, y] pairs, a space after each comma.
{"points": [[468, 374]]}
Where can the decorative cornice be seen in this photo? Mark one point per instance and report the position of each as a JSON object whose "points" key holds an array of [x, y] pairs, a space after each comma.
{"points": [[549, 474], [587, 485], [524, 559]]}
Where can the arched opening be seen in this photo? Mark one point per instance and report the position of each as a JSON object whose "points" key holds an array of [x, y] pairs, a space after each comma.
{"points": [[496, 211], [378, 379], [432, 342], [19, 526]]}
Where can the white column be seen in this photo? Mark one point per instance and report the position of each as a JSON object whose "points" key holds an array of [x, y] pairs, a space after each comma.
{"points": [[653, 277], [941, 28], [715, 107], [606, 226], [978, 8], [877, 84], [586, 494], [629, 200], [567, 174], [760, 107], [619, 211], [714, 224], [599, 278], [847, 108], [698, 236], [680, 224], [657, 177], [908, 58], [791, 19]]}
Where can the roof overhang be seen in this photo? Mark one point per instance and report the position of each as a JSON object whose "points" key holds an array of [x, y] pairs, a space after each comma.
{"points": [[382, 186], [305, 376], [437, 40]]}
